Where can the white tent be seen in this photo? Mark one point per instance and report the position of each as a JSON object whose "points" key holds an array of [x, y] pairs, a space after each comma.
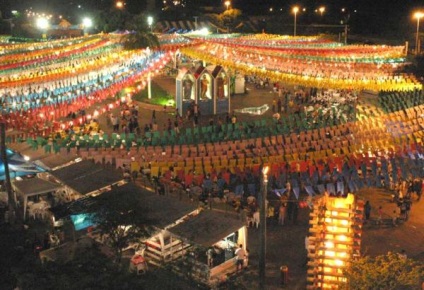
{"points": [[32, 187]]}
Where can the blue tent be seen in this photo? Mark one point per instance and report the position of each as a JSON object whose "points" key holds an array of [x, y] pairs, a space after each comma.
{"points": [[18, 166]]}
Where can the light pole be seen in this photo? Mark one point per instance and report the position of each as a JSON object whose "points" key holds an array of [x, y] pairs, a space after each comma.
{"points": [[150, 22], [195, 22], [227, 3], [295, 10], [119, 4], [321, 10], [262, 227], [86, 24], [418, 15], [43, 24]]}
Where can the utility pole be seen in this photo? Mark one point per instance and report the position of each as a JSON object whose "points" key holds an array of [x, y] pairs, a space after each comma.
{"points": [[8, 185], [345, 33]]}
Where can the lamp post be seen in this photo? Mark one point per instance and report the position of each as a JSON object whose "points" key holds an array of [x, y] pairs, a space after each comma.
{"points": [[195, 22], [418, 15], [321, 10], [227, 3], [150, 22], [262, 227], [149, 74], [119, 4], [295, 10], [43, 24], [86, 24]]}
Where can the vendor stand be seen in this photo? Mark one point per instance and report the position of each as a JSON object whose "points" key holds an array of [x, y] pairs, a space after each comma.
{"points": [[207, 231]]}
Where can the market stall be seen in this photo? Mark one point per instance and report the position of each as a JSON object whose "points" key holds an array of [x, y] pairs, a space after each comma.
{"points": [[211, 231], [29, 192]]}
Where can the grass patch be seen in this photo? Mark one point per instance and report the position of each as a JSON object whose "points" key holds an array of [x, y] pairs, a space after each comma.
{"points": [[159, 96]]}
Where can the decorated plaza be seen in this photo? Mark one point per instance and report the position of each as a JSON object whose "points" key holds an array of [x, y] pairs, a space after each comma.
{"points": [[322, 122]]}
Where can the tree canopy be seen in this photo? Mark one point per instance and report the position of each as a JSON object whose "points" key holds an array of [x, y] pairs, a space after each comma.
{"points": [[386, 272], [230, 18], [139, 34], [122, 220]]}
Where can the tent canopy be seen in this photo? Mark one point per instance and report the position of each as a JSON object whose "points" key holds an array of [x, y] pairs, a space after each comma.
{"points": [[85, 176], [35, 186], [53, 161], [18, 166], [207, 228]]}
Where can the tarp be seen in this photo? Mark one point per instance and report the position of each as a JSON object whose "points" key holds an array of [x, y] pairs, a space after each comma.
{"points": [[207, 228], [18, 166]]}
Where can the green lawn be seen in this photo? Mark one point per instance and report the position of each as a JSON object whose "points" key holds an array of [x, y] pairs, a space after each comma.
{"points": [[159, 96]]}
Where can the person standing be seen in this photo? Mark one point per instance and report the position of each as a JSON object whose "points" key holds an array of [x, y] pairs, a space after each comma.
{"points": [[279, 105], [240, 254], [380, 215], [153, 116], [176, 128], [209, 254], [282, 212], [408, 205], [367, 210], [394, 218]]}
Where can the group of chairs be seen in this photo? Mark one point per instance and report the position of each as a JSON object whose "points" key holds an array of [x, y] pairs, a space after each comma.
{"points": [[397, 101], [38, 210], [202, 134]]}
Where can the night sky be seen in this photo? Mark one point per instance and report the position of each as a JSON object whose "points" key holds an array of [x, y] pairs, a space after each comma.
{"points": [[249, 6], [371, 14]]}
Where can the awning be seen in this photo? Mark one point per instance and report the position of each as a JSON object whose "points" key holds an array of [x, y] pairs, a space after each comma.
{"points": [[18, 166], [35, 186], [52, 161], [85, 176], [207, 228]]}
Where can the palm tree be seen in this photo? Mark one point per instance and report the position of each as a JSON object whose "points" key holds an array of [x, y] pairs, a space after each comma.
{"points": [[139, 35]]}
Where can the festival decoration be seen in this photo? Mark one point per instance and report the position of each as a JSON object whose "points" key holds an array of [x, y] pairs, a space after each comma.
{"points": [[309, 61], [335, 239]]}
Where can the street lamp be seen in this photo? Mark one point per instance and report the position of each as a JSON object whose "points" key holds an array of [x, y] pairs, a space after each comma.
{"points": [[295, 10], [321, 10], [119, 4], [227, 3], [43, 24], [418, 15], [150, 22], [86, 24]]}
